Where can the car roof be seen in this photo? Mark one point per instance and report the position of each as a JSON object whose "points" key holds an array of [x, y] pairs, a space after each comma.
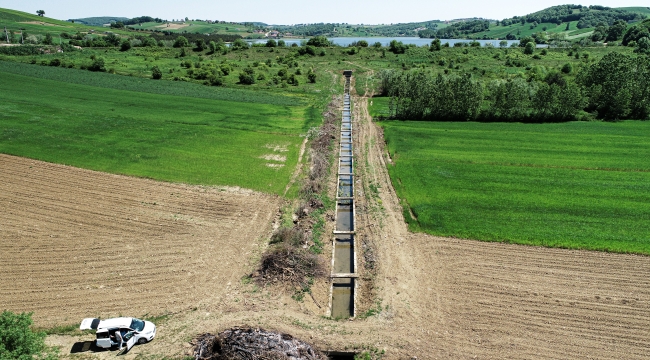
{"points": [[115, 322]]}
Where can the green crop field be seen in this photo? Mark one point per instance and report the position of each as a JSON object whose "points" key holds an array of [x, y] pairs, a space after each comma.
{"points": [[577, 185], [188, 139]]}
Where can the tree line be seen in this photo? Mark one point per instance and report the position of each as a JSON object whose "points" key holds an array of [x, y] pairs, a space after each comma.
{"points": [[615, 88]]}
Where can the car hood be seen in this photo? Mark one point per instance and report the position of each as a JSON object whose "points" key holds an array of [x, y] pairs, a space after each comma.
{"points": [[148, 327]]}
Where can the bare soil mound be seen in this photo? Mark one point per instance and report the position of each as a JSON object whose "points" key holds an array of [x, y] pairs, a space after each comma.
{"points": [[78, 243]]}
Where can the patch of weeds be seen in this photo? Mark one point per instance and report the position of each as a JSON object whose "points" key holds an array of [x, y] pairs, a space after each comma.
{"points": [[286, 217], [371, 354], [246, 279], [299, 294], [375, 310], [156, 319]]}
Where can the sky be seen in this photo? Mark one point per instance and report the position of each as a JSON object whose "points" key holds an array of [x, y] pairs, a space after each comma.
{"points": [[288, 12]]}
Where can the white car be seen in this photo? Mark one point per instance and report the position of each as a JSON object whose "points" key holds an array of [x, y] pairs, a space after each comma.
{"points": [[127, 329]]}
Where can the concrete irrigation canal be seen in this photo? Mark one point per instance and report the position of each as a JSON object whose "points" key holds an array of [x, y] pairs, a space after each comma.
{"points": [[344, 260]]}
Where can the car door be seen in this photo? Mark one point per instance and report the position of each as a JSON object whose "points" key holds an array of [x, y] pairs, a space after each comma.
{"points": [[130, 338]]}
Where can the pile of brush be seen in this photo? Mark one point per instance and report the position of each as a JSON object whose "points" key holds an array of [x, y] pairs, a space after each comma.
{"points": [[245, 343]]}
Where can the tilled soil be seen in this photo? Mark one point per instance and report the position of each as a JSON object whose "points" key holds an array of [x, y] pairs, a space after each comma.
{"points": [[78, 243]]}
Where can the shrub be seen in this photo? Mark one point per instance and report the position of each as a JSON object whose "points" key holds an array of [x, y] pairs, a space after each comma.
{"points": [[247, 77], [18, 341], [567, 68], [181, 42], [319, 41], [529, 49], [126, 45], [98, 64], [156, 74]]}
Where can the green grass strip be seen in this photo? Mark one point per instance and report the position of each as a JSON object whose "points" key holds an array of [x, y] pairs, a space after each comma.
{"points": [[579, 185]]}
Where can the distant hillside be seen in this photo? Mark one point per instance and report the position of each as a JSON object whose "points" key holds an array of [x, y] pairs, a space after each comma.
{"points": [[640, 10], [571, 21], [99, 21]]}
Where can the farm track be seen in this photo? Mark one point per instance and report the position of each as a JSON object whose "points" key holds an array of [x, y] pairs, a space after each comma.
{"points": [[79, 243]]}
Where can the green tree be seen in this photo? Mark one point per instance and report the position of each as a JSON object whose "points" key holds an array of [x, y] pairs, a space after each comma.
{"points": [[643, 46], [113, 39], [503, 44], [435, 45], [98, 64], [281, 43], [397, 47], [126, 45], [156, 74], [635, 33], [181, 42], [200, 45], [48, 39], [311, 76], [40, 12], [247, 77], [18, 341], [530, 48], [618, 87], [319, 41], [616, 31], [239, 44], [271, 43], [600, 33]]}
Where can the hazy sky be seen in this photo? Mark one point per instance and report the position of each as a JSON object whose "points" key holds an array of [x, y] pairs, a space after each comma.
{"points": [[294, 11]]}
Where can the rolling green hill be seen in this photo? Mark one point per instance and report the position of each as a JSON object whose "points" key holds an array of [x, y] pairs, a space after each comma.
{"points": [[565, 21], [18, 21], [99, 21]]}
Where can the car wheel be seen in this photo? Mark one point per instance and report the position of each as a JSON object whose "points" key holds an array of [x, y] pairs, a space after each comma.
{"points": [[142, 341]]}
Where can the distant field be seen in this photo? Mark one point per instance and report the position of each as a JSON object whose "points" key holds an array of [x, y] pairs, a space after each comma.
{"points": [[197, 27], [173, 138], [572, 185]]}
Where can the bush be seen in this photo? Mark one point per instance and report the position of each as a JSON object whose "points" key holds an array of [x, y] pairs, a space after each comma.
{"points": [[126, 45], [98, 64], [181, 42], [529, 49], [18, 341], [156, 74], [247, 77], [567, 68], [319, 41]]}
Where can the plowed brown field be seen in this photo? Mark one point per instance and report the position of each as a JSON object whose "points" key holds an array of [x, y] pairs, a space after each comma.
{"points": [[78, 243]]}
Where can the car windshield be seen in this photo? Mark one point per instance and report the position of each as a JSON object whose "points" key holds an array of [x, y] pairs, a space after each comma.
{"points": [[137, 324]]}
